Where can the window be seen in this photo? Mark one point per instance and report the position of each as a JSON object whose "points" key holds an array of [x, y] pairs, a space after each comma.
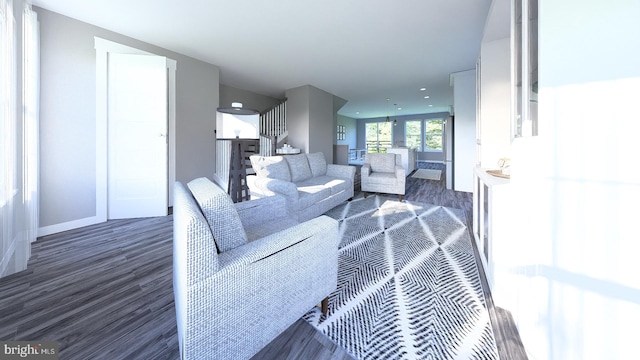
{"points": [[413, 134], [18, 137], [8, 118], [378, 137], [433, 135], [432, 139]]}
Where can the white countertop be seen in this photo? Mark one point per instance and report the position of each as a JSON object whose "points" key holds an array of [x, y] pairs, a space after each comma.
{"points": [[287, 150], [489, 179]]}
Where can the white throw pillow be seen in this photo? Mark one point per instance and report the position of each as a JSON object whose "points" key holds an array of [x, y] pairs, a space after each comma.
{"points": [[272, 167]]}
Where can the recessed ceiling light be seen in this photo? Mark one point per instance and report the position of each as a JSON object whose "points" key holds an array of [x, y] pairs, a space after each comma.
{"points": [[423, 89], [357, 112], [426, 97], [430, 105], [399, 108]]}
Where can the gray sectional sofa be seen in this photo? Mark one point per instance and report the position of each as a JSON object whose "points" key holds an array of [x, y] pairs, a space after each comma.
{"points": [[309, 185]]}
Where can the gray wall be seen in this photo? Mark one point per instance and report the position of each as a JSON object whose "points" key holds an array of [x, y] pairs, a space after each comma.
{"points": [[350, 136], [68, 116], [250, 100], [322, 126], [312, 119], [298, 117]]}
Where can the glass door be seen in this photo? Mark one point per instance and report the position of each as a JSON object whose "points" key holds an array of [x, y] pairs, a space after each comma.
{"points": [[378, 137]]}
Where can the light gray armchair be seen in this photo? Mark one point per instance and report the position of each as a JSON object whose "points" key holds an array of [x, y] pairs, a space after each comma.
{"points": [[240, 279], [383, 173]]}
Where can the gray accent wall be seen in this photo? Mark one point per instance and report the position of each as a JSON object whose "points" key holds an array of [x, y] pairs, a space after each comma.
{"points": [[322, 125], [298, 117], [68, 116], [312, 119], [350, 136]]}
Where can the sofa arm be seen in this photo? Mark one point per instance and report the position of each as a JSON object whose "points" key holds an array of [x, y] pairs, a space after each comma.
{"points": [[400, 172], [323, 227], [269, 187], [365, 170], [341, 171], [259, 211], [261, 289]]}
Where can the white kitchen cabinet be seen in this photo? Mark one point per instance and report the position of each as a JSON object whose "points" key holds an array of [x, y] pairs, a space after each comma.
{"points": [[491, 218], [408, 157]]}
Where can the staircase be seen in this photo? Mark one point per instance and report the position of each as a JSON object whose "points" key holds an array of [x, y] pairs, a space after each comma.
{"points": [[240, 167], [232, 156], [273, 128]]}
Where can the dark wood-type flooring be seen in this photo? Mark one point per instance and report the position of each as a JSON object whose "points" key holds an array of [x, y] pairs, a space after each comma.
{"points": [[105, 292]]}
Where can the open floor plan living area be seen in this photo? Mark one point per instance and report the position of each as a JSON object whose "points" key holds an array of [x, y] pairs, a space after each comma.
{"points": [[115, 299], [319, 180]]}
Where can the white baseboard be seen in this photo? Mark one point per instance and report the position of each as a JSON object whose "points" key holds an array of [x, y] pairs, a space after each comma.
{"points": [[54, 229], [431, 161]]}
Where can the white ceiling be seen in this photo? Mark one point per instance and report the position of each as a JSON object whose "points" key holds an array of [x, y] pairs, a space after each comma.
{"points": [[360, 50]]}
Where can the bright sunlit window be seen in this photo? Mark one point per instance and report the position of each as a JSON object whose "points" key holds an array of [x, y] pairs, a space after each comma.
{"points": [[413, 134], [378, 136], [433, 134], [7, 100]]}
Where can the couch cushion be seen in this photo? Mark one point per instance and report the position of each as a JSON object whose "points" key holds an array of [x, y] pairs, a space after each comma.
{"points": [[334, 184], [381, 178], [299, 167], [317, 163], [382, 162], [312, 194], [272, 167], [220, 213], [269, 227]]}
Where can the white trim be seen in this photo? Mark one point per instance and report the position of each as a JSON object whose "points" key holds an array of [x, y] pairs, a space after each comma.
{"points": [[101, 133], [431, 161], [172, 67], [103, 48], [70, 225]]}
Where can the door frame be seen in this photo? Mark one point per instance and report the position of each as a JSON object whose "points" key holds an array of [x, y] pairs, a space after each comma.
{"points": [[103, 48]]}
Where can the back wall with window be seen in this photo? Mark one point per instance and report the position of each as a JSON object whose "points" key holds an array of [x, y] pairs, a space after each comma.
{"points": [[425, 132]]}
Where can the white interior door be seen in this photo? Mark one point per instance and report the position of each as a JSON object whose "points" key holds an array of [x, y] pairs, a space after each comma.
{"points": [[137, 136]]}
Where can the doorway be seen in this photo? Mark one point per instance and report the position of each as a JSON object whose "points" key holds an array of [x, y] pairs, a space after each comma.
{"points": [[137, 184], [126, 188]]}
